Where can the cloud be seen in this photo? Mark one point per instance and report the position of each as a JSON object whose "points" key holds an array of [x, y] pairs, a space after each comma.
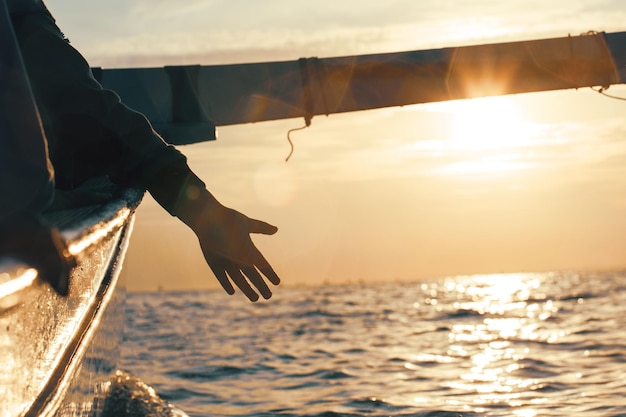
{"points": [[157, 32], [159, 27]]}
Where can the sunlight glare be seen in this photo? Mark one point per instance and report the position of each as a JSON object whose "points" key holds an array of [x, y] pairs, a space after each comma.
{"points": [[489, 123], [504, 298], [486, 135]]}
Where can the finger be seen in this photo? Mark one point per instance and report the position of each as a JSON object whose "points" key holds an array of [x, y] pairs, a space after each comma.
{"points": [[271, 275], [266, 269], [241, 282], [258, 226], [221, 276], [257, 280]]}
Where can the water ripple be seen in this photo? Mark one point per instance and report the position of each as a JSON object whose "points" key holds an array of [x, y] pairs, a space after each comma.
{"points": [[490, 345]]}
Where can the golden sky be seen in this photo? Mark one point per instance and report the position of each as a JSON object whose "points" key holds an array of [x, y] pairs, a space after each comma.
{"points": [[530, 182]]}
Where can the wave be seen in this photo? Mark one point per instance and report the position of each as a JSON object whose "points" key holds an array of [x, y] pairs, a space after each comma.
{"points": [[210, 373], [545, 345], [128, 396]]}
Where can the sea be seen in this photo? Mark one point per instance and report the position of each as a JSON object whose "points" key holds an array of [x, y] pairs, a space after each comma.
{"points": [[527, 344]]}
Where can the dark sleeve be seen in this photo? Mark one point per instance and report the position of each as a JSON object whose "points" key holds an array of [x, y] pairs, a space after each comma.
{"points": [[90, 131]]}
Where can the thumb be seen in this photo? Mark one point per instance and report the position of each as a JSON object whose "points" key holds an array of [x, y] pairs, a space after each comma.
{"points": [[258, 226]]}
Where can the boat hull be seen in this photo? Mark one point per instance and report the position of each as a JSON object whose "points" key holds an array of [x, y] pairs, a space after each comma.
{"points": [[59, 353]]}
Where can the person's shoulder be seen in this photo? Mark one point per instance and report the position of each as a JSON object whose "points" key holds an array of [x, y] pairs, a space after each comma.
{"points": [[25, 6]]}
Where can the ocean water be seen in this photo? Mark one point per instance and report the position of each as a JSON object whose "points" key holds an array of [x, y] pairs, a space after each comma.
{"points": [[492, 345]]}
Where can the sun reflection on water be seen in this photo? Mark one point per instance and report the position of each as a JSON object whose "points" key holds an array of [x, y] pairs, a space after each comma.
{"points": [[505, 310]]}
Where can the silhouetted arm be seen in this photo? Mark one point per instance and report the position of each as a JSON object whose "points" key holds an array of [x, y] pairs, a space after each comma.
{"points": [[93, 133]]}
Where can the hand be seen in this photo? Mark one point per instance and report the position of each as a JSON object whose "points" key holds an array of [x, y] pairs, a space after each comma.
{"points": [[224, 236], [29, 238]]}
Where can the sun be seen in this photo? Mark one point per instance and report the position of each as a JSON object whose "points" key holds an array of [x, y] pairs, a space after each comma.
{"points": [[486, 135], [489, 123]]}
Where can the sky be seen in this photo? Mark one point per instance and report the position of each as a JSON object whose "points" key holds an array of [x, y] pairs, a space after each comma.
{"points": [[531, 182]]}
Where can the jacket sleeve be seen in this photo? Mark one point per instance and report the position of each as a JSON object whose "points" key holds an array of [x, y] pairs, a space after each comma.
{"points": [[90, 131]]}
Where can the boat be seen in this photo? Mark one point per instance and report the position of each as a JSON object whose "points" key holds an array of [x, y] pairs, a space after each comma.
{"points": [[59, 342], [59, 352]]}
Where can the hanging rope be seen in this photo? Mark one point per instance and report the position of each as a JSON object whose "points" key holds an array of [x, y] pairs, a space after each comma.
{"points": [[602, 90], [307, 89], [312, 70], [307, 98], [290, 142]]}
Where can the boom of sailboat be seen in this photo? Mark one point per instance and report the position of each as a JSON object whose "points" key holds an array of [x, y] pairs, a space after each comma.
{"points": [[186, 103]]}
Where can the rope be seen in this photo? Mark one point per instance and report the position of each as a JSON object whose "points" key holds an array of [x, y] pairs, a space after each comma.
{"points": [[602, 90], [290, 142], [306, 73], [306, 90]]}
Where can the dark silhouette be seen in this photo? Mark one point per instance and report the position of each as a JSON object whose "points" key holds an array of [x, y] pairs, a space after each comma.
{"points": [[90, 133]]}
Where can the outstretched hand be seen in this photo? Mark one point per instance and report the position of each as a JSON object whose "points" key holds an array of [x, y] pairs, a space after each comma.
{"points": [[224, 236]]}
